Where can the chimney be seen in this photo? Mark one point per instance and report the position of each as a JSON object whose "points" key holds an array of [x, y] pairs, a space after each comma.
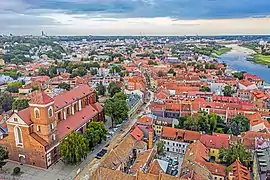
{"points": [[150, 140]]}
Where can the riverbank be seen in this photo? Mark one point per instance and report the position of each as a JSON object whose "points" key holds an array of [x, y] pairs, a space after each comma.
{"points": [[240, 49], [260, 59], [221, 51]]}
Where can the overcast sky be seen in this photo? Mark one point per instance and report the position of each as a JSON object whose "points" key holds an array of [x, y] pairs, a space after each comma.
{"points": [[135, 17]]}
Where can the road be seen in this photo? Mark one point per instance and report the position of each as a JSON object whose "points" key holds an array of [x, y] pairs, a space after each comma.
{"points": [[93, 162]]}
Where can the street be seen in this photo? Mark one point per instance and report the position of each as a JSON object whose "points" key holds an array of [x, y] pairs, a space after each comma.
{"points": [[93, 162]]}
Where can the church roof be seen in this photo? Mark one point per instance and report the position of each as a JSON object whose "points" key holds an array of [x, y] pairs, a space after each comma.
{"points": [[39, 97]]}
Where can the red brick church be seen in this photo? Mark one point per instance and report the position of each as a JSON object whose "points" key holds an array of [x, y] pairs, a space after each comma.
{"points": [[34, 134]]}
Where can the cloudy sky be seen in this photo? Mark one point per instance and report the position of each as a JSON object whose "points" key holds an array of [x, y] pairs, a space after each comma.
{"points": [[135, 17]]}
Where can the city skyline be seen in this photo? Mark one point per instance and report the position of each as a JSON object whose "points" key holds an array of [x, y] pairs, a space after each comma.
{"points": [[134, 17]]}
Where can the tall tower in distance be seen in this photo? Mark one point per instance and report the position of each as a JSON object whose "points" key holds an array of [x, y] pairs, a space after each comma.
{"points": [[43, 34]]}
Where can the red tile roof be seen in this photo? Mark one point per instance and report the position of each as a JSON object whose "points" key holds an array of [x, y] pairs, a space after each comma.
{"points": [[71, 96], [39, 139], [98, 107], [191, 135], [39, 97], [216, 142], [145, 120], [137, 133], [72, 123], [240, 172], [25, 116], [169, 132], [216, 169]]}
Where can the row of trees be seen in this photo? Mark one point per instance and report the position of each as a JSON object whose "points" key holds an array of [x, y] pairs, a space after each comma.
{"points": [[116, 107], [75, 147], [210, 123], [113, 88], [79, 69]]}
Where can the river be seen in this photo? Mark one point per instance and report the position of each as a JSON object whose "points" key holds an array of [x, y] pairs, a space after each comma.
{"points": [[237, 60]]}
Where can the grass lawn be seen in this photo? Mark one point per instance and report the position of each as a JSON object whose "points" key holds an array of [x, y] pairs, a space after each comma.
{"points": [[221, 51], [261, 59]]}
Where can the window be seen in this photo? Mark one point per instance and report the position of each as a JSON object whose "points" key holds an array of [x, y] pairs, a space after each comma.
{"points": [[15, 119], [53, 137], [18, 136], [38, 128], [37, 113], [52, 126], [50, 111]]}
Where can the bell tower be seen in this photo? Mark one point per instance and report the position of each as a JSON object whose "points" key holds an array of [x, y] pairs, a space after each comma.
{"points": [[42, 114]]}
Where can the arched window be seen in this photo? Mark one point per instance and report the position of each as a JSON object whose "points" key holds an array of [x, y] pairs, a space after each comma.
{"points": [[37, 113], [50, 111], [18, 135]]}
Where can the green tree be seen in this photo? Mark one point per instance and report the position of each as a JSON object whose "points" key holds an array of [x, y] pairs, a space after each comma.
{"points": [[20, 104], [239, 75], [13, 87], [204, 89], [219, 73], [113, 88], [160, 148], [160, 74], [228, 91], [234, 152], [239, 124], [95, 133], [152, 63], [171, 71], [65, 86], [152, 56], [3, 157], [116, 107], [74, 148], [43, 72], [5, 102], [101, 89]]}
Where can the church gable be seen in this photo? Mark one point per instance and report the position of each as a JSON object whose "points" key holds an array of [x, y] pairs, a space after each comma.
{"points": [[15, 119]]}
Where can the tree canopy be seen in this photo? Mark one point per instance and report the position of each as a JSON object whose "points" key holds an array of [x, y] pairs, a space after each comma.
{"points": [[202, 122], [74, 148], [234, 152], [95, 133], [204, 89], [228, 90], [116, 107], [5, 102], [20, 104], [113, 88], [239, 124], [64, 85], [3, 157], [101, 89], [13, 87]]}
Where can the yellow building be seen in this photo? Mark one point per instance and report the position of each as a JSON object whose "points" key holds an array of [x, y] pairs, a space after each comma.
{"points": [[214, 153], [214, 143]]}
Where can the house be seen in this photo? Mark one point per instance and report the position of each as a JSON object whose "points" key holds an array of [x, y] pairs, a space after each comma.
{"points": [[196, 162], [214, 143], [238, 171], [34, 133], [260, 99], [145, 121], [254, 78], [159, 122], [178, 140], [246, 85], [142, 161]]}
